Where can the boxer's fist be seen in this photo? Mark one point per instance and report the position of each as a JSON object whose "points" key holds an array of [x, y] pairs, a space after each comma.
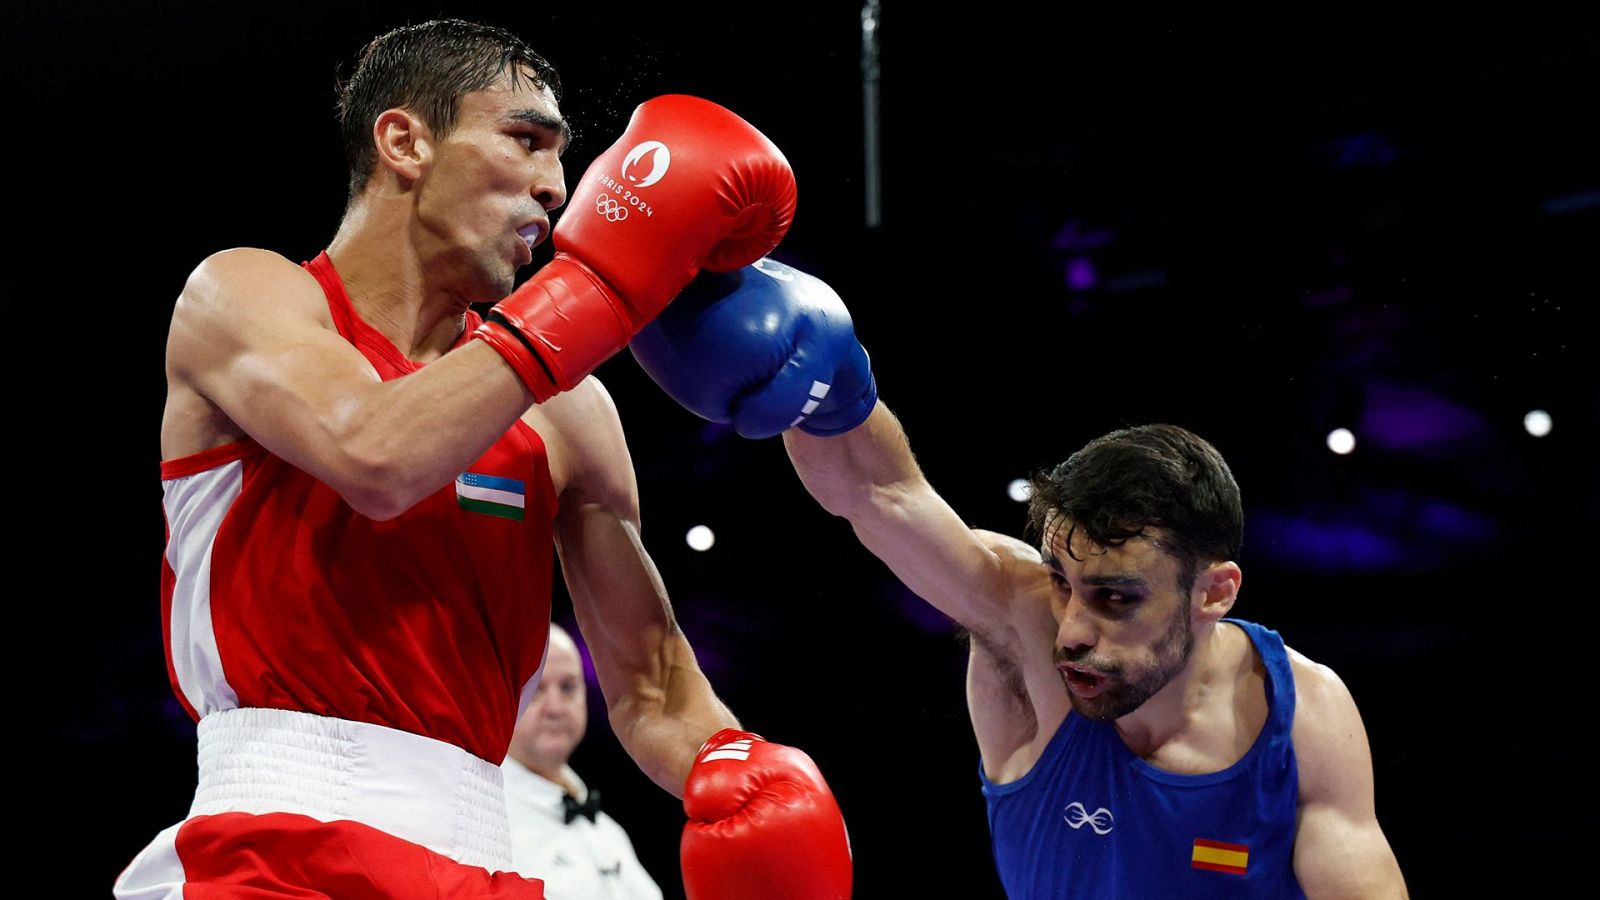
{"points": [[688, 186], [765, 348], [762, 823]]}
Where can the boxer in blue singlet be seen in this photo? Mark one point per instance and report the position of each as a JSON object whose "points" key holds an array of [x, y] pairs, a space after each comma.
{"points": [[1134, 741]]}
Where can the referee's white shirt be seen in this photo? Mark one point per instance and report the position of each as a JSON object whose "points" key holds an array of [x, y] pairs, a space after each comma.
{"points": [[581, 861]]}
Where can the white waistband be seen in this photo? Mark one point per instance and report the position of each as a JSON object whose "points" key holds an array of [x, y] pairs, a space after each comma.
{"points": [[413, 787]]}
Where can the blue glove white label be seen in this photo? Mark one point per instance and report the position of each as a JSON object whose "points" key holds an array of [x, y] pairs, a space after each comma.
{"points": [[819, 390]]}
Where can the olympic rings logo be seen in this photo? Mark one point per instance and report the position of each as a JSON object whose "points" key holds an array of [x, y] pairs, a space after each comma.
{"points": [[610, 208]]}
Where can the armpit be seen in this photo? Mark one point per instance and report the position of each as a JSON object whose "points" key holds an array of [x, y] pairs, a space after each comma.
{"points": [[999, 659]]}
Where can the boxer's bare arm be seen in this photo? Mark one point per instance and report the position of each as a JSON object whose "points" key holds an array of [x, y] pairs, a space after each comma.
{"points": [[251, 338], [993, 585], [1339, 851], [660, 705], [869, 477]]}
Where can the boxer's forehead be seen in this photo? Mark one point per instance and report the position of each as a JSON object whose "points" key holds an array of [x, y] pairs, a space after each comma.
{"points": [[1142, 558], [509, 101]]}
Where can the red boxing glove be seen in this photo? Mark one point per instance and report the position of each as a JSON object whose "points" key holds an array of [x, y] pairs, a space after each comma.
{"points": [[762, 823], [688, 186]]}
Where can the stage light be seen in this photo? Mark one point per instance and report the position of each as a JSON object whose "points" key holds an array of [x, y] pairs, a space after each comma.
{"points": [[1341, 441], [700, 538]]}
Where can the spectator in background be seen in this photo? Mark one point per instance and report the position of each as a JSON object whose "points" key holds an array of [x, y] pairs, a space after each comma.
{"points": [[557, 829]]}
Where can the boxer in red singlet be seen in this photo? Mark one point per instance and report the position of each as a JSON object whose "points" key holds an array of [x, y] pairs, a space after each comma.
{"points": [[363, 481]]}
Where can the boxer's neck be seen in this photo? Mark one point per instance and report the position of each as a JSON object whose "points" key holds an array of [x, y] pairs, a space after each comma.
{"points": [[1190, 723], [386, 280]]}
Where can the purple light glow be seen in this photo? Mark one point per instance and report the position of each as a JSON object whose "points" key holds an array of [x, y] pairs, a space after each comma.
{"points": [[1400, 417], [1071, 237], [1333, 546], [1080, 274], [1446, 520], [176, 716], [712, 432], [589, 676], [917, 611]]}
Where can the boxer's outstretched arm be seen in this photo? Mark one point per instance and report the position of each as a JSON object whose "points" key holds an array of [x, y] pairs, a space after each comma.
{"points": [[995, 586], [772, 349], [660, 705], [869, 476], [251, 334], [1339, 850]]}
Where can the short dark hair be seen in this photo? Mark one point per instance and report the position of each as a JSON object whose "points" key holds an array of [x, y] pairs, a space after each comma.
{"points": [[427, 68], [1152, 476]]}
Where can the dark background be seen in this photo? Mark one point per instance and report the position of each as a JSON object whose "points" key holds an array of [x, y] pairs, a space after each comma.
{"points": [[1258, 233]]}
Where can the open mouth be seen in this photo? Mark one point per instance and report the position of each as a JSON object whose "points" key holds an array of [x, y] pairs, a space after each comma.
{"points": [[1083, 682], [530, 233]]}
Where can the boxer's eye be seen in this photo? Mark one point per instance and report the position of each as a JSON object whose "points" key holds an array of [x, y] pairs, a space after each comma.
{"points": [[1118, 598], [535, 139]]}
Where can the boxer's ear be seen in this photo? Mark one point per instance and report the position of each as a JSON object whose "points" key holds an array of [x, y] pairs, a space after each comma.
{"points": [[1215, 589], [404, 143]]}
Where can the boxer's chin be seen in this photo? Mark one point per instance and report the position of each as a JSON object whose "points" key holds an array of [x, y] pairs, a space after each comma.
{"points": [[1101, 707], [1108, 700]]}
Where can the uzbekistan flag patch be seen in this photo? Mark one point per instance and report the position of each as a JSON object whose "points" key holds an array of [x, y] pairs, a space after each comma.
{"points": [[491, 495], [1220, 856]]}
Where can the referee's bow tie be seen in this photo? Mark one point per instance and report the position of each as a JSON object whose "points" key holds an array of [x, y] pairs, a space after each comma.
{"points": [[572, 809]]}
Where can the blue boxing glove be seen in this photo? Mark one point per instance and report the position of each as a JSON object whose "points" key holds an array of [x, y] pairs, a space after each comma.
{"points": [[765, 347]]}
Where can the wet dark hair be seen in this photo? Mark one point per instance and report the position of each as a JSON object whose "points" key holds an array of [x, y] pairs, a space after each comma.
{"points": [[427, 68], [1153, 476]]}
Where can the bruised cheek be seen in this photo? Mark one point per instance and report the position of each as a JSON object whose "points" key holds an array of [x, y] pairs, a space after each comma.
{"points": [[1134, 638]]}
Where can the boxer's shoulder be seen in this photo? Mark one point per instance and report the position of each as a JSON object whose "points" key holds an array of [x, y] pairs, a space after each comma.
{"points": [[232, 300], [1012, 549], [584, 445], [233, 287], [1025, 582], [1328, 735], [1339, 847], [1315, 685], [249, 275]]}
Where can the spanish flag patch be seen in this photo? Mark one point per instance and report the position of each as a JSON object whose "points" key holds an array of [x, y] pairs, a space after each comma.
{"points": [[1220, 856]]}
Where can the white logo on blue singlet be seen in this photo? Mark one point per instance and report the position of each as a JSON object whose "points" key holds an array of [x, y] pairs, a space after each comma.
{"points": [[1077, 816]]}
